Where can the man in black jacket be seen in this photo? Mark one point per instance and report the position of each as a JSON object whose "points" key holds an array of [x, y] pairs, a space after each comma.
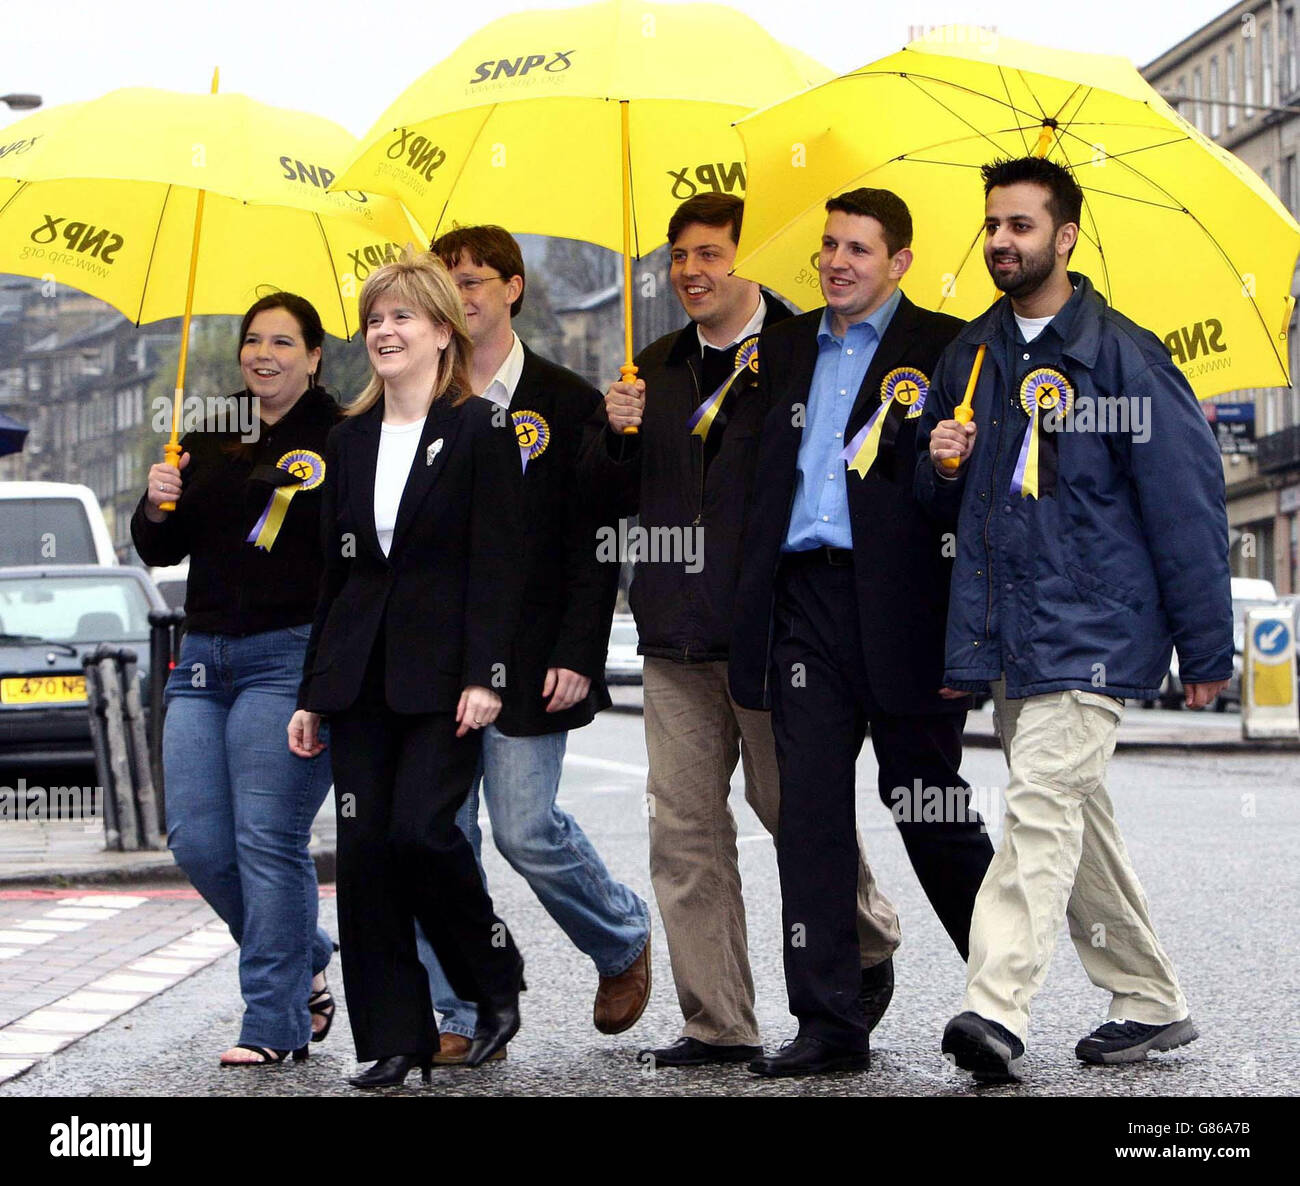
{"points": [[556, 674], [686, 473], [840, 618]]}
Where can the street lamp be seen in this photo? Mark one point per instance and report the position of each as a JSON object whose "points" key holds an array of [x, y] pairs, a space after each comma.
{"points": [[21, 102]]}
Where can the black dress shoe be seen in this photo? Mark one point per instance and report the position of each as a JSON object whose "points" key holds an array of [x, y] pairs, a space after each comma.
{"points": [[390, 1072], [876, 992], [691, 1052], [498, 1022], [810, 1056]]}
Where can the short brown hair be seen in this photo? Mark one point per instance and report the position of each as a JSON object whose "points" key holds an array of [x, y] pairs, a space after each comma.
{"points": [[489, 247], [424, 283], [708, 210], [885, 206]]}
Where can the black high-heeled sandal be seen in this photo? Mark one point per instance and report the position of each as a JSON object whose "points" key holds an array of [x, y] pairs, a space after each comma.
{"points": [[392, 1071], [321, 1004], [270, 1056]]}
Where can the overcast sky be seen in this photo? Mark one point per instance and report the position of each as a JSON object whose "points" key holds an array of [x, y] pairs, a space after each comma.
{"points": [[349, 60]]}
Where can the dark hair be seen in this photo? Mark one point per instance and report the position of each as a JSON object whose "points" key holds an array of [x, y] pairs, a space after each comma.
{"points": [[708, 210], [302, 311], [885, 206], [489, 247], [1064, 197]]}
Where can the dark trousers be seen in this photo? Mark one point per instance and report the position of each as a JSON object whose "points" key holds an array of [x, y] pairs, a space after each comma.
{"points": [[399, 781], [822, 705]]}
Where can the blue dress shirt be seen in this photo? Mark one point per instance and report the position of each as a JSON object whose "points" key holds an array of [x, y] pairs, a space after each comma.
{"points": [[820, 512]]}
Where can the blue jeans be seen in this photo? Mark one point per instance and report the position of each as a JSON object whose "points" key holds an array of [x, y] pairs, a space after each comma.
{"points": [[239, 812], [520, 778]]}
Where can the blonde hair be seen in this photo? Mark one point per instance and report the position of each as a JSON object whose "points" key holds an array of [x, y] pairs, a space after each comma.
{"points": [[423, 282]]}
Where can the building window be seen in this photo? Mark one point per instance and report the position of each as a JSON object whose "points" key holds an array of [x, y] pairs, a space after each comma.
{"points": [[1248, 73], [1289, 195], [1232, 86], [1268, 176], [1266, 66], [1216, 111], [1196, 100], [1289, 79]]}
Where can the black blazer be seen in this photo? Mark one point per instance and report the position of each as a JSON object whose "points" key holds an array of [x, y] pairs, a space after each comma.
{"points": [[569, 592], [900, 566], [447, 595]]}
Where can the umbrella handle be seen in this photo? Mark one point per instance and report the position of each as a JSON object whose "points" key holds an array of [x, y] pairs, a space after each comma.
{"points": [[171, 456], [627, 372], [964, 413]]}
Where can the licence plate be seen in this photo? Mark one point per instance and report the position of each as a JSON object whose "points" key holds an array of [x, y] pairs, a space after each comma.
{"points": [[43, 689]]}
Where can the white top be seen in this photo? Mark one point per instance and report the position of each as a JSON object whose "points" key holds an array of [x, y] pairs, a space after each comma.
{"points": [[397, 446], [502, 388], [1031, 327], [754, 325]]}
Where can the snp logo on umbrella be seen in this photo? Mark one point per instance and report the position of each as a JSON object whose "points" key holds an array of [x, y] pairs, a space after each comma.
{"points": [[79, 236], [496, 68]]}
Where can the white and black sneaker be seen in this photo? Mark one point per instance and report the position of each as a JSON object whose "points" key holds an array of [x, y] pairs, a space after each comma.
{"points": [[991, 1051], [1131, 1041]]}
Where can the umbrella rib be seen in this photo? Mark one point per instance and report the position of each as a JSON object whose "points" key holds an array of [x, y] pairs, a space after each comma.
{"points": [[148, 271], [1042, 114], [980, 133], [1011, 103], [324, 238], [451, 189], [22, 185], [965, 259]]}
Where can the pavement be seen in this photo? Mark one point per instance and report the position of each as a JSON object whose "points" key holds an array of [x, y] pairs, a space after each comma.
{"points": [[107, 995], [72, 852]]}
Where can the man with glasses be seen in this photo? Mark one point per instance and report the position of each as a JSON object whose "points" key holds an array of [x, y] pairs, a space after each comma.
{"points": [[556, 681]]}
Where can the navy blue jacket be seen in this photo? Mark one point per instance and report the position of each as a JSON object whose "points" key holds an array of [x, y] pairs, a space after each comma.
{"points": [[1090, 587]]}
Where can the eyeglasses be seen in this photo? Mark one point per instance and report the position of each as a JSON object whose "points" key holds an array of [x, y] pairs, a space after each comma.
{"points": [[471, 284]]}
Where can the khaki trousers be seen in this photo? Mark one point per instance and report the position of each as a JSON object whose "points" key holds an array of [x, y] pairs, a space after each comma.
{"points": [[1062, 858], [695, 733]]}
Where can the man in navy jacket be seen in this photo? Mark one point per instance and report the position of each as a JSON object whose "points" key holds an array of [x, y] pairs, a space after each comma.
{"points": [[1091, 539]]}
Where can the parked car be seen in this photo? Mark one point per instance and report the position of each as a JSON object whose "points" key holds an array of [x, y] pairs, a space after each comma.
{"points": [[52, 523], [622, 663], [1247, 593], [171, 581], [49, 617]]}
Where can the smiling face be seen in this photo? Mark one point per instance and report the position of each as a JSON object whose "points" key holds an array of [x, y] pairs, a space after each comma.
{"points": [[702, 257], [275, 361], [856, 270], [486, 296], [404, 343], [1021, 247]]}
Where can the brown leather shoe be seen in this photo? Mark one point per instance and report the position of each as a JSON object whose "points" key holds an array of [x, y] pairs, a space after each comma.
{"points": [[621, 999], [455, 1048]]}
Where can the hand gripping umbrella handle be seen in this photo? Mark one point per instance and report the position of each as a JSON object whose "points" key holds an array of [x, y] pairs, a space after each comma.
{"points": [[964, 413], [171, 456], [627, 372]]}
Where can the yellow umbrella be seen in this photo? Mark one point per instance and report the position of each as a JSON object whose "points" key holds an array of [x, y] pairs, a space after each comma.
{"points": [[1176, 233], [166, 204], [525, 123], [102, 196]]}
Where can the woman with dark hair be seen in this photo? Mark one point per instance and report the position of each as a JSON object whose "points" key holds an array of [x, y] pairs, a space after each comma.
{"points": [[239, 807], [412, 636]]}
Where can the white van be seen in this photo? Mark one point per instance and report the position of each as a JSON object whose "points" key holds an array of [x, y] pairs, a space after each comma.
{"points": [[52, 523]]}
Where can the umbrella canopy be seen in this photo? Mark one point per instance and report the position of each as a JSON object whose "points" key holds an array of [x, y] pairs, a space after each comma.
{"points": [[521, 124], [12, 435], [1176, 232], [102, 196]]}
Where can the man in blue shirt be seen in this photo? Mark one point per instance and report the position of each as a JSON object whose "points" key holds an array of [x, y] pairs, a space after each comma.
{"points": [[840, 615], [1092, 537]]}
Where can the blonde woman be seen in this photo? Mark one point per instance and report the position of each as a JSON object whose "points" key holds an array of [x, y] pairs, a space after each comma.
{"points": [[419, 602]]}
